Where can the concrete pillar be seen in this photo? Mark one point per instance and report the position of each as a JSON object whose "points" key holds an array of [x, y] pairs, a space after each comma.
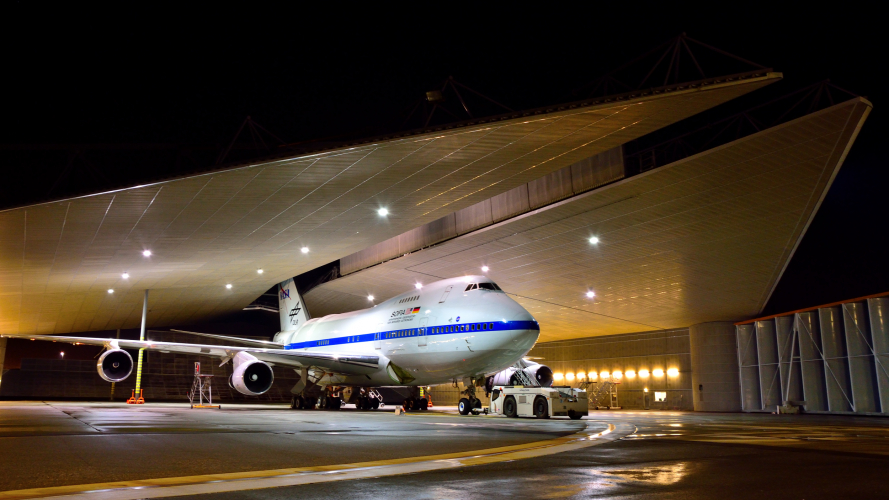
{"points": [[2, 356], [714, 367]]}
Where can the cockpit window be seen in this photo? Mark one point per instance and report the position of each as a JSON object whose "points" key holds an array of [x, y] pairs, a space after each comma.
{"points": [[483, 286]]}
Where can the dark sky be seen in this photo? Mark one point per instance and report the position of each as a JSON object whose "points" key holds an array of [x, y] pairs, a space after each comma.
{"points": [[161, 74]]}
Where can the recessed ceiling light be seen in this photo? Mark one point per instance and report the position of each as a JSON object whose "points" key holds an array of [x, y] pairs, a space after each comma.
{"points": [[147, 253], [229, 286], [259, 271], [591, 294], [594, 240], [418, 286], [485, 269], [110, 290], [383, 212], [125, 276], [370, 297], [304, 249]]}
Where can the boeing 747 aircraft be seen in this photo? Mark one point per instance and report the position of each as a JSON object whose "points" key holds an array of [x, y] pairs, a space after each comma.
{"points": [[464, 329]]}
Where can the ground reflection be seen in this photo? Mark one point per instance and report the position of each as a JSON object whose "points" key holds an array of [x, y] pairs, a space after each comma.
{"points": [[658, 474]]}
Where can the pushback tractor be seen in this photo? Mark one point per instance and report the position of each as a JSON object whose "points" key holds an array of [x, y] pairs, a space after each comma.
{"points": [[539, 402]]}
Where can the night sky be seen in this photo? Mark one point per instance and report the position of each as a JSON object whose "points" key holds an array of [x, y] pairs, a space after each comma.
{"points": [[163, 75]]}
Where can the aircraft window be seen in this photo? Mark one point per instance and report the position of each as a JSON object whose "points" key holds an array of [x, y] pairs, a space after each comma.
{"points": [[488, 286], [492, 326], [495, 395], [473, 327], [484, 326], [471, 286]]}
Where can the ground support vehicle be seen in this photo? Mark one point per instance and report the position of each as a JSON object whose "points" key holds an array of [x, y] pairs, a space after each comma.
{"points": [[539, 402]]}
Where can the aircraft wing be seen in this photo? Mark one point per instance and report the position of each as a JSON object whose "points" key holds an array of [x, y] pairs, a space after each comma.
{"points": [[340, 363]]}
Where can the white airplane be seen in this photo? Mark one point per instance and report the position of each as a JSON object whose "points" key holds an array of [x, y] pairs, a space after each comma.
{"points": [[456, 329]]}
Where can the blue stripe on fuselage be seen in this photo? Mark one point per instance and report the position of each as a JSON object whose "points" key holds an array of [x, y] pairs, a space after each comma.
{"points": [[492, 326]]}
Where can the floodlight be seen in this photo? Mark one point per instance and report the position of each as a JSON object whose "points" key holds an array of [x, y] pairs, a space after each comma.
{"points": [[594, 240], [229, 286], [147, 253], [383, 212], [125, 276], [485, 269], [370, 297]]}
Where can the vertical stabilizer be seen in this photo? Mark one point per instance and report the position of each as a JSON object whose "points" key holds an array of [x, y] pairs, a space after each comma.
{"points": [[291, 307]]}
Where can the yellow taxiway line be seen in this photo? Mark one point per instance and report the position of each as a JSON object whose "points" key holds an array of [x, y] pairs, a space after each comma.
{"points": [[239, 481]]}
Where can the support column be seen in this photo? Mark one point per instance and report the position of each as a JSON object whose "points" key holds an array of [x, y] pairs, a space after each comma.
{"points": [[141, 351], [714, 367]]}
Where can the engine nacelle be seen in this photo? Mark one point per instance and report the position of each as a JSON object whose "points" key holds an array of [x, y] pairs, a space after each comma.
{"points": [[115, 365], [542, 374], [251, 376]]}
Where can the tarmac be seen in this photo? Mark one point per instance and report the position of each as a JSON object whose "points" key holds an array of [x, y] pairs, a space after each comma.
{"points": [[111, 450]]}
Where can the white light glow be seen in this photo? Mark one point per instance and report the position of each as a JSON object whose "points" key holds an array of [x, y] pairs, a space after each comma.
{"points": [[304, 249], [592, 375], [594, 240], [569, 376], [110, 290], [485, 269], [383, 212], [558, 376], [259, 271], [617, 374], [370, 297], [673, 372], [590, 294], [631, 374], [581, 375], [147, 253], [418, 286], [125, 276], [658, 372], [62, 354], [467, 279], [643, 373], [604, 374], [229, 286]]}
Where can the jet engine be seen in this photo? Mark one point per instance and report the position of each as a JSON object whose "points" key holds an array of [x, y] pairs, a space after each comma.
{"points": [[115, 365], [251, 376], [541, 374]]}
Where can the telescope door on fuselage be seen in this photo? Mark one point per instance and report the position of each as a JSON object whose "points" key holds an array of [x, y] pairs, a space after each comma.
{"points": [[444, 296]]}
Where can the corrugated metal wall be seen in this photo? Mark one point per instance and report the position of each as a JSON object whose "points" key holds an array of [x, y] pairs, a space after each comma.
{"points": [[835, 359], [572, 180]]}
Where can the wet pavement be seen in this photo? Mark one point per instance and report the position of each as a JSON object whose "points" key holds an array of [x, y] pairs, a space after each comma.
{"points": [[663, 454]]}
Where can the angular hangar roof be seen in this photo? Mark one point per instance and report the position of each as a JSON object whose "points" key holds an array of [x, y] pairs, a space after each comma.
{"points": [[702, 239], [58, 259]]}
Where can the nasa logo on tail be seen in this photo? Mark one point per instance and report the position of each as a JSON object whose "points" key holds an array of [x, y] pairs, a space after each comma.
{"points": [[284, 293]]}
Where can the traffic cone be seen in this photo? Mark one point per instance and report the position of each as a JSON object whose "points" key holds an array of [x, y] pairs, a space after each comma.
{"points": [[132, 399]]}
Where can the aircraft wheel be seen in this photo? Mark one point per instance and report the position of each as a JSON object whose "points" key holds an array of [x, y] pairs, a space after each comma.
{"points": [[337, 403], [541, 408], [464, 406], [509, 407], [362, 403], [296, 402], [375, 404], [325, 402], [424, 404], [573, 415], [477, 403]]}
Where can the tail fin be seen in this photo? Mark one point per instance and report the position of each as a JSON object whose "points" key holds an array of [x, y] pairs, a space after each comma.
{"points": [[291, 307]]}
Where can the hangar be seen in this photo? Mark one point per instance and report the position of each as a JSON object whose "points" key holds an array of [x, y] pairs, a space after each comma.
{"points": [[634, 277]]}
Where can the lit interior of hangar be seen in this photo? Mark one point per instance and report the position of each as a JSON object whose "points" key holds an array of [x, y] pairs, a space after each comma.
{"points": [[60, 259]]}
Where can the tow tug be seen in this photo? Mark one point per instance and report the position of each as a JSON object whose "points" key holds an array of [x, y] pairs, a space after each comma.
{"points": [[539, 402]]}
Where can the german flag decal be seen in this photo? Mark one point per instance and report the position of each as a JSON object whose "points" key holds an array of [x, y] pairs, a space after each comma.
{"points": [[415, 310]]}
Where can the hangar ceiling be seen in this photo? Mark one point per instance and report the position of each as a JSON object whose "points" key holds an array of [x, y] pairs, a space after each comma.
{"points": [[702, 239], [58, 259]]}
